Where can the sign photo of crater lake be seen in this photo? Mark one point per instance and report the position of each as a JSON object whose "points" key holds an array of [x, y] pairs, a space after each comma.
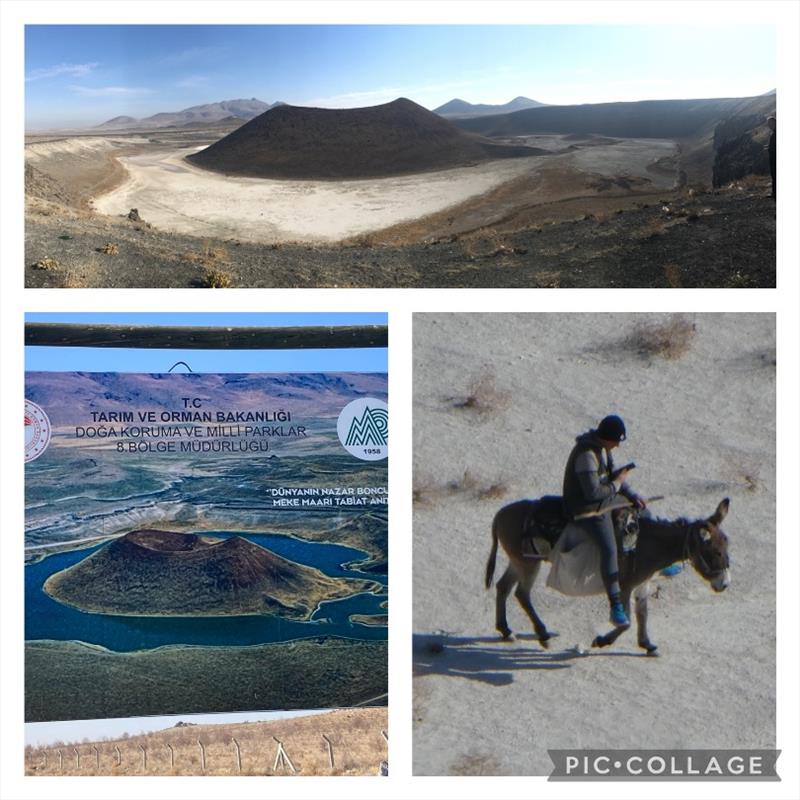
{"points": [[199, 543]]}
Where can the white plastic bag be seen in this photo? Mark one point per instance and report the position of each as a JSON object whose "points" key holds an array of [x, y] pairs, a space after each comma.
{"points": [[575, 564]]}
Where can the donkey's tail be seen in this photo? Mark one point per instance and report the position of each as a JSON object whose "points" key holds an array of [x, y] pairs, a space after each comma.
{"points": [[490, 564]]}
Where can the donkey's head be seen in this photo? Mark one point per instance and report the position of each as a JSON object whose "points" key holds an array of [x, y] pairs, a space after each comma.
{"points": [[707, 547]]}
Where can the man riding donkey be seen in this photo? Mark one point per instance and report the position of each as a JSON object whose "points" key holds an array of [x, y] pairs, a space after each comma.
{"points": [[591, 487]]}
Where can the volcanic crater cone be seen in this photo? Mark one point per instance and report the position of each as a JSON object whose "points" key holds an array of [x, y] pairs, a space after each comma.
{"points": [[164, 573], [301, 143]]}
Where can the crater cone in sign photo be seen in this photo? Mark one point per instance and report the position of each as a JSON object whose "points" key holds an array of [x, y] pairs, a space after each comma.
{"points": [[396, 138], [162, 573]]}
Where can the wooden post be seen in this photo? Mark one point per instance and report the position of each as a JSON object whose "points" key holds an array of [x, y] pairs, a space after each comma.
{"points": [[238, 754], [202, 755], [384, 770], [96, 757], [144, 757], [44, 753], [60, 761], [330, 749], [56, 334], [282, 758], [171, 756], [119, 755], [77, 758]]}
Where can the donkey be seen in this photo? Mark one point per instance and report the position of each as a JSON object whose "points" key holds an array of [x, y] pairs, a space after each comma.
{"points": [[660, 543]]}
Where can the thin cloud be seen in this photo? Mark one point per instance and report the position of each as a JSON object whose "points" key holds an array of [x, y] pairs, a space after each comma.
{"points": [[192, 81], [73, 70], [192, 54], [109, 91]]}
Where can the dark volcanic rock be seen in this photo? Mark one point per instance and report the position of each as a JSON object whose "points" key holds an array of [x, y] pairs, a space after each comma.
{"points": [[645, 118], [734, 159], [311, 143], [162, 573]]}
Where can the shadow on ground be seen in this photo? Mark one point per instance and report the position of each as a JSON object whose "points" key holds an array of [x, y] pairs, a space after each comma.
{"points": [[490, 660]]}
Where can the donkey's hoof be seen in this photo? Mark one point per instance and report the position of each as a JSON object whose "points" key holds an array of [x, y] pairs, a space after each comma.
{"points": [[600, 641], [506, 635], [544, 638], [652, 649]]}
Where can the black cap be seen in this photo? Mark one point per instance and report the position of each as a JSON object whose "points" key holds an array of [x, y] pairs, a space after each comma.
{"points": [[611, 428]]}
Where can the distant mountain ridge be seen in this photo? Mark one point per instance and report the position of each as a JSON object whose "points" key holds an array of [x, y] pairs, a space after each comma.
{"points": [[207, 113], [641, 118], [461, 109], [69, 397]]}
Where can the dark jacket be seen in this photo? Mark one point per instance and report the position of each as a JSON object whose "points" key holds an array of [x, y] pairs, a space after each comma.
{"points": [[587, 477], [772, 152]]}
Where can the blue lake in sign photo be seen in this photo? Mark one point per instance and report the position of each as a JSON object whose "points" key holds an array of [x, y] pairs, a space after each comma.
{"points": [[47, 619]]}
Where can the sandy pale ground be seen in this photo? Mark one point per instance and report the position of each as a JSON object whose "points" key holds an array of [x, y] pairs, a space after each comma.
{"points": [[700, 427], [174, 195]]}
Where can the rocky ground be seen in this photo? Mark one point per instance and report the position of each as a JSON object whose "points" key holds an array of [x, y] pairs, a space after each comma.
{"points": [[724, 238]]}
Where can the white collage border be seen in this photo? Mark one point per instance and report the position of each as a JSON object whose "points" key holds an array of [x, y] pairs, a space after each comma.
{"points": [[400, 303]]}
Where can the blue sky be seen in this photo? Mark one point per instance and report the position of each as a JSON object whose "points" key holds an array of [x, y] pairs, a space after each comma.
{"points": [[83, 75], [112, 359]]}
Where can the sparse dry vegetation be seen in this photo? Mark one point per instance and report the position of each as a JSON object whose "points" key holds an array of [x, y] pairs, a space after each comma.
{"points": [[469, 486], [548, 280], [745, 473], [742, 280], [482, 396], [653, 229], [210, 255], [109, 249], [489, 246], [46, 263], [74, 279], [215, 279], [357, 745], [476, 764], [673, 275], [670, 339]]}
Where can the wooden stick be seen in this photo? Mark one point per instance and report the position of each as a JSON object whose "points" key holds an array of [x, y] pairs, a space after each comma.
{"points": [[56, 334], [624, 503]]}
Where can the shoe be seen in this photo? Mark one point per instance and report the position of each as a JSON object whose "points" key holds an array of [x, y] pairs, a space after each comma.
{"points": [[618, 615], [672, 569]]}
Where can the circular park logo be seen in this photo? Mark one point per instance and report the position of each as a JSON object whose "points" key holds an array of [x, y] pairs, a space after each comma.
{"points": [[37, 431], [363, 428]]}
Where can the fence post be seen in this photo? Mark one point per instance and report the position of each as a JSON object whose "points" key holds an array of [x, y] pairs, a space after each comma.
{"points": [[238, 754], [60, 761], [77, 758], [119, 755], [44, 753], [384, 770], [330, 749], [96, 757], [144, 757], [202, 755], [282, 758], [171, 755]]}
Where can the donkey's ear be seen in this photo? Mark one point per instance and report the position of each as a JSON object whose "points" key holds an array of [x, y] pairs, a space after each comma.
{"points": [[721, 512]]}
